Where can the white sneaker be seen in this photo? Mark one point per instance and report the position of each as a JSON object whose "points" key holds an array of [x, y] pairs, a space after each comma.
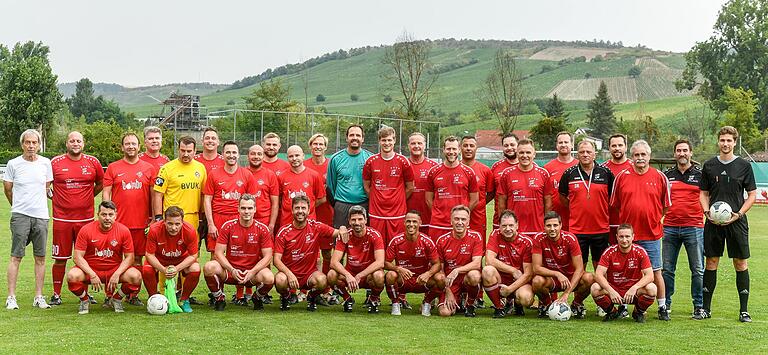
{"points": [[395, 309], [10, 303], [426, 309], [600, 312], [40, 302], [84, 307], [117, 305]]}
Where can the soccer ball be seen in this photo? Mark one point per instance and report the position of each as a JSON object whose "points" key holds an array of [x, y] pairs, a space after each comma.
{"points": [[157, 304], [559, 311], [720, 212]]}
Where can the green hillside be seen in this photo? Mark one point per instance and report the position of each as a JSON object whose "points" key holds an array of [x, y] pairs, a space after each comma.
{"points": [[130, 98]]}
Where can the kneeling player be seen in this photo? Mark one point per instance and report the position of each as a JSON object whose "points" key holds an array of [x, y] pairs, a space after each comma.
{"points": [[172, 249], [103, 259], [243, 254], [624, 276], [558, 267], [508, 271], [461, 254], [300, 243], [412, 261], [365, 262]]}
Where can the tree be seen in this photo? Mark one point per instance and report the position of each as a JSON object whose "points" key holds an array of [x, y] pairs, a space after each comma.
{"points": [[82, 102], [354, 97], [736, 56], [600, 116], [28, 94], [408, 63], [635, 71], [503, 92], [320, 98], [273, 95], [597, 58], [545, 131], [387, 98], [741, 106], [555, 108], [587, 75]]}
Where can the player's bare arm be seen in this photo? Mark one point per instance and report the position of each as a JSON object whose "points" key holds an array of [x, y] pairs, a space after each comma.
{"points": [[83, 265], [367, 187], [547, 203], [434, 268], [490, 259], [473, 200], [157, 203], [647, 278], [539, 269], [275, 201], [600, 278], [564, 201], [277, 260], [208, 208], [266, 260], [409, 187], [502, 202], [429, 196], [574, 281], [114, 280], [8, 189], [377, 264], [106, 193], [521, 280], [475, 264]]}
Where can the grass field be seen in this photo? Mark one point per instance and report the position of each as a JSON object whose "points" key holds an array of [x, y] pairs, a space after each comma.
{"points": [[329, 330]]}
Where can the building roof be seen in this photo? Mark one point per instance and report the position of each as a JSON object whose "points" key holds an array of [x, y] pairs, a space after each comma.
{"points": [[491, 138]]}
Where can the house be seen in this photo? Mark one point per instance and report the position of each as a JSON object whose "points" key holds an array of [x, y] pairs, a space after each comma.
{"points": [[491, 138], [585, 131]]}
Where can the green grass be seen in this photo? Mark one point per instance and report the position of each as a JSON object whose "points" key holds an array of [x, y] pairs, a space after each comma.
{"points": [[241, 330]]}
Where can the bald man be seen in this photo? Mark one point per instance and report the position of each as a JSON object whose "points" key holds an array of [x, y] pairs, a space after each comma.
{"points": [[299, 180]]}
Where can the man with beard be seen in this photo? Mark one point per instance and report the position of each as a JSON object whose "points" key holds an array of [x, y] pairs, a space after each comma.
{"points": [[210, 156], [526, 189], [450, 184], [485, 183], [298, 180], [271, 145], [77, 177], [420, 165], [509, 144], [267, 188], [345, 176], [556, 167], [619, 162], [180, 183], [128, 183], [642, 196], [153, 142]]}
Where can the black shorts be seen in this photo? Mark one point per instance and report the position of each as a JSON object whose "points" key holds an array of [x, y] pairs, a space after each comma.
{"points": [[597, 243], [202, 230], [341, 212], [735, 235]]}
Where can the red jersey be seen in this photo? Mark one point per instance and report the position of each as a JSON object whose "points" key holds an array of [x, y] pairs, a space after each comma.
{"points": [[171, 249], [360, 250], [266, 187], [624, 270], [556, 169], [613, 213], [73, 182], [156, 162], [641, 200], [685, 188], [300, 247], [214, 164], [227, 188], [514, 253], [387, 179], [420, 185], [451, 187], [278, 166], [307, 183], [104, 249], [131, 191], [244, 244], [415, 256], [588, 195], [324, 211], [525, 191], [557, 255], [485, 184], [497, 169], [457, 252]]}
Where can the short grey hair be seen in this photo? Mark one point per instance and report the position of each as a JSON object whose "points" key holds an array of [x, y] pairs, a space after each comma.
{"points": [[640, 143], [28, 132], [152, 129]]}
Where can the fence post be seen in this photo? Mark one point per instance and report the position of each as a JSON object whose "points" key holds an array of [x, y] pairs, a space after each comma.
{"points": [[401, 137], [234, 127], [337, 132], [262, 125], [288, 130]]}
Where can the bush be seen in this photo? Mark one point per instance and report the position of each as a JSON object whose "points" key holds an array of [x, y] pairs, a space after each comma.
{"points": [[320, 98], [354, 97], [587, 75], [231, 103], [546, 67], [387, 98]]}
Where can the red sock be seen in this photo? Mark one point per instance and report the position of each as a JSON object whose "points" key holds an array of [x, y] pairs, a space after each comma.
{"points": [[314, 293], [342, 286], [546, 300], [135, 292], [149, 276], [392, 293], [579, 298], [604, 302], [57, 274], [263, 290], [494, 293], [401, 296], [125, 290], [190, 282], [472, 293], [283, 293], [480, 294], [249, 290], [431, 294], [213, 284], [239, 291], [643, 302], [79, 289]]}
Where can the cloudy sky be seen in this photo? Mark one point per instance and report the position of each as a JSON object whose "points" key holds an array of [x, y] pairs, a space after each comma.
{"points": [[143, 42]]}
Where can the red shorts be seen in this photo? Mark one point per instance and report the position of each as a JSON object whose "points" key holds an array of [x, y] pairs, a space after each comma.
{"points": [[304, 281], [412, 286], [103, 275], [218, 221], [436, 232], [457, 288], [506, 279], [480, 228], [231, 280], [557, 286], [64, 235], [139, 241], [388, 228]]}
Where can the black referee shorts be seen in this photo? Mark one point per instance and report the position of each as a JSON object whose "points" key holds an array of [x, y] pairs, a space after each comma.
{"points": [[597, 243], [735, 235]]}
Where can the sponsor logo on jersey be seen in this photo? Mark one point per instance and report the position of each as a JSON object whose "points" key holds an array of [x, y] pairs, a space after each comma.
{"points": [[139, 174], [305, 184], [239, 183], [132, 185], [113, 243], [106, 253], [190, 185], [197, 174], [230, 196], [171, 253], [159, 181]]}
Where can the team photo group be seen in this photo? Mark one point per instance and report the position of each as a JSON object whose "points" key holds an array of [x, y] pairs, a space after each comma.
{"points": [[319, 229]]}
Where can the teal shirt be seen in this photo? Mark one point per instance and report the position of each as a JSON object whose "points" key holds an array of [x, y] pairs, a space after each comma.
{"points": [[345, 176]]}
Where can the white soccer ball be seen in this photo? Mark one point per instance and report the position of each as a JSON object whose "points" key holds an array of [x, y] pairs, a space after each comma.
{"points": [[157, 304], [559, 311], [720, 212]]}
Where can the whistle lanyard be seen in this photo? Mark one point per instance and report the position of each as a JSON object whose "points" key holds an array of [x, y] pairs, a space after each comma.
{"points": [[586, 185]]}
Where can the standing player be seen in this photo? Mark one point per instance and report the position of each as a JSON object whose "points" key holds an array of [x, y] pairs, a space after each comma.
{"points": [[485, 183], [556, 167], [242, 256], [267, 188], [684, 225], [103, 259], [344, 180], [77, 178], [642, 196], [420, 165], [271, 145], [172, 250], [585, 190], [413, 264], [128, 183], [557, 264], [619, 162], [300, 243], [153, 142], [461, 255], [508, 271], [624, 276], [509, 144], [298, 180], [526, 189], [449, 184], [364, 268], [726, 178], [388, 181], [180, 183], [318, 145], [210, 156]]}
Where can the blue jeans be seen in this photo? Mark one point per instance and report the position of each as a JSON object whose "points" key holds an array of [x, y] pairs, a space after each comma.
{"points": [[693, 239]]}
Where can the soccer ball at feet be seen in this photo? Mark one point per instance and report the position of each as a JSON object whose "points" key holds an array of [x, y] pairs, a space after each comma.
{"points": [[157, 305], [559, 311]]}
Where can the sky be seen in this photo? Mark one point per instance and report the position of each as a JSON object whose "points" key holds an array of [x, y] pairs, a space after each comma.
{"points": [[140, 42]]}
